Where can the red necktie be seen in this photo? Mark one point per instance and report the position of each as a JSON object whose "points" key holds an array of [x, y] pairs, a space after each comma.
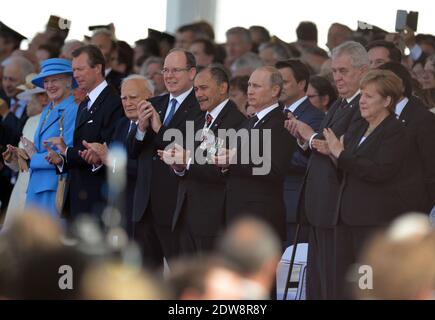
{"points": [[208, 120]]}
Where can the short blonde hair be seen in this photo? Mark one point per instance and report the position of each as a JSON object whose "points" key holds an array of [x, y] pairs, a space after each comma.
{"points": [[387, 85]]}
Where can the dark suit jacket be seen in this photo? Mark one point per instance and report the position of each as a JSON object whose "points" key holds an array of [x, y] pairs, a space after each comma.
{"points": [[262, 195], [85, 188], [369, 193], [420, 125], [201, 191], [121, 136], [156, 183], [320, 187], [312, 116]]}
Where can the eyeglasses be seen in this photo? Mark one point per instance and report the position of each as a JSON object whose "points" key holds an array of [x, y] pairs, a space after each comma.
{"points": [[175, 70], [53, 81]]}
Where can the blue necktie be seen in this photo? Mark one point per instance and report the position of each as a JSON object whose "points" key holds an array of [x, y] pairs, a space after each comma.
{"points": [[171, 112]]}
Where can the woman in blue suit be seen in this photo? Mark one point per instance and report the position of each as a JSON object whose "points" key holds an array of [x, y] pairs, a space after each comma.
{"points": [[57, 119]]}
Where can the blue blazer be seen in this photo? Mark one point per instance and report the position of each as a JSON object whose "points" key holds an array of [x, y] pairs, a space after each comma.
{"points": [[312, 116], [42, 174]]}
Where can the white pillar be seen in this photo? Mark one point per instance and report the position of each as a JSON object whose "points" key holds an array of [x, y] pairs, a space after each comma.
{"points": [[180, 12]]}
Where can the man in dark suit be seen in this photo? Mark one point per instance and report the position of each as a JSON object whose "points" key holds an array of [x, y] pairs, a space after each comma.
{"points": [[200, 211], [418, 191], [296, 77], [259, 162], [157, 185], [134, 89], [96, 121], [320, 189]]}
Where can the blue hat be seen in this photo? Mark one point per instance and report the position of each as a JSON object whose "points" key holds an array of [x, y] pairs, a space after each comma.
{"points": [[51, 67]]}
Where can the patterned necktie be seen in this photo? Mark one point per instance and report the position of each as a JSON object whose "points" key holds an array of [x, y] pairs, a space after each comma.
{"points": [[84, 103], [83, 108], [171, 112], [208, 120]]}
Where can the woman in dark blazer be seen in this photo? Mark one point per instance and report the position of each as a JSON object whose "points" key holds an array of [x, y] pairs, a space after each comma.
{"points": [[369, 160]]}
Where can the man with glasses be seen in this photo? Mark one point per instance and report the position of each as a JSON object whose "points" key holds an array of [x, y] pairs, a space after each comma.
{"points": [[156, 189]]}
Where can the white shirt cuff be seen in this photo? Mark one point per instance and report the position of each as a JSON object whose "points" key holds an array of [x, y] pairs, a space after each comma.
{"points": [[96, 168], [140, 135], [60, 166], [182, 173], [311, 140]]}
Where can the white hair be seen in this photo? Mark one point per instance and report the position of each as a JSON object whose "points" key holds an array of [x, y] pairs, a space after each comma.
{"points": [[147, 82], [357, 53]]}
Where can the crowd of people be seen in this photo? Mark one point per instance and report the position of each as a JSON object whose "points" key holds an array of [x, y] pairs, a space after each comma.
{"points": [[330, 147]]}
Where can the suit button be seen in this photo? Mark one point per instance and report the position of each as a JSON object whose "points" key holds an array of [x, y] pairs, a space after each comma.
{"points": [[154, 158]]}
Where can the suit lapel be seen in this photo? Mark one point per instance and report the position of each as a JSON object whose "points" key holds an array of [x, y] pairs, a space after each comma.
{"points": [[85, 115], [180, 114], [301, 109], [373, 136], [340, 113], [163, 107], [221, 116], [267, 117], [54, 116]]}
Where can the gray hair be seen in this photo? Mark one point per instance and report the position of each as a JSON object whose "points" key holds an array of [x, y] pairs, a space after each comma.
{"points": [[356, 51], [151, 60], [70, 46], [147, 82], [243, 33], [280, 53], [25, 65], [249, 60]]}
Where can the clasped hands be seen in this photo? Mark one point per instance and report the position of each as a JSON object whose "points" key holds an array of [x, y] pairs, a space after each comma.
{"points": [[148, 116], [177, 157]]}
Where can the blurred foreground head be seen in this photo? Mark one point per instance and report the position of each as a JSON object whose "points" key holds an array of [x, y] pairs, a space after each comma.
{"points": [[116, 281], [254, 248], [402, 260]]}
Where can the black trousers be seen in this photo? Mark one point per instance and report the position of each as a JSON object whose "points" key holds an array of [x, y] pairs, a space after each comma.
{"points": [[156, 241], [320, 264], [348, 244]]}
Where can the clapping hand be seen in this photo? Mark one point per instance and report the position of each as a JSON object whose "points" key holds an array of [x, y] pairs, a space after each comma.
{"points": [[321, 146], [95, 153], [29, 147], [298, 129], [224, 158], [145, 112], [176, 157], [52, 156], [59, 143], [335, 146]]}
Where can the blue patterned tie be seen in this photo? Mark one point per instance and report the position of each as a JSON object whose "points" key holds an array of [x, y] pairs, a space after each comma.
{"points": [[171, 112]]}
